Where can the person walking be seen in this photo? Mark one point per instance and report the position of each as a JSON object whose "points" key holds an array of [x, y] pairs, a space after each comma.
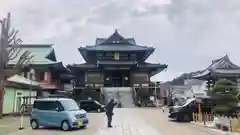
{"points": [[119, 104], [109, 111]]}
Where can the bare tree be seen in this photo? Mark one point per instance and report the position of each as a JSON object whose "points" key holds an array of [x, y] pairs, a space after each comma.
{"points": [[10, 50]]}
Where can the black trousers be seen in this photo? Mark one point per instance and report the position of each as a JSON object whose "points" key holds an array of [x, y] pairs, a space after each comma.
{"points": [[109, 117]]}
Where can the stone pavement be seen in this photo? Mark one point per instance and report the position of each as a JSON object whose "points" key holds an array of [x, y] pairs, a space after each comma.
{"points": [[10, 124], [127, 122], [160, 121]]}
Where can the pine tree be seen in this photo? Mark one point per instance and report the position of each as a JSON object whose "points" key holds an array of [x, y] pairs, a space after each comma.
{"points": [[225, 94]]}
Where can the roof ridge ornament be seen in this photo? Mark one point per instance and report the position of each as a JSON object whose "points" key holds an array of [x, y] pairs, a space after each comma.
{"points": [[116, 38], [116, 31], [226, 57]]}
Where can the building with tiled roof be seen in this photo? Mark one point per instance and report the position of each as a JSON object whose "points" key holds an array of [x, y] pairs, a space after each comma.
{"points": [[115, 61]]}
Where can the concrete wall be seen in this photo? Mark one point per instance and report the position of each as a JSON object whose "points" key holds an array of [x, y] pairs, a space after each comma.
{"points": [[12, 101], [8, 100], [181, 91], [198, 87]]}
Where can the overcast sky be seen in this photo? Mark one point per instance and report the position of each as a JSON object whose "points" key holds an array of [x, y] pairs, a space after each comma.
{"points": [[187, 34]]}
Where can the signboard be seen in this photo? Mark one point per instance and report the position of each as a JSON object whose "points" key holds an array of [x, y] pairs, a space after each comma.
{"points": [[136, 85], [68, 87], [145, 85], [198, 100], [116, 55]]}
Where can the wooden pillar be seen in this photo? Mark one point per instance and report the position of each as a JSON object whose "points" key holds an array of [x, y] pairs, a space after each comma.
{"points": [[48, 77], [199, 112]]}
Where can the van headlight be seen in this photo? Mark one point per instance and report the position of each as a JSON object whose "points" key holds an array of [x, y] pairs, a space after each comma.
{"points": [[83, 111]]}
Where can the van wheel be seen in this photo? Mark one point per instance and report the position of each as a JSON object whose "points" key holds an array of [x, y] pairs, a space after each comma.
{"points": [[34, 124], [65, 126]]}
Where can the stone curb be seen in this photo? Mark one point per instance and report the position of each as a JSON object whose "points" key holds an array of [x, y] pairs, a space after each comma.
{"points": [[216, 130]]}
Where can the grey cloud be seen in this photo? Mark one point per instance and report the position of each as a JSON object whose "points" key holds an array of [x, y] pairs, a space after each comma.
{"points": [[111, 13], [187, 34], [147, 10]]}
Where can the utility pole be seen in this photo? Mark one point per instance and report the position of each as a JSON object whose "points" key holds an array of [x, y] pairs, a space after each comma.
{"points": [[155, 93]]}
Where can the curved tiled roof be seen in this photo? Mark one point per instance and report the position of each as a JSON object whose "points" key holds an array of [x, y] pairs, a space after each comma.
{"points": [[221, 66], [41, 53], [118, 47], [116, 42]]}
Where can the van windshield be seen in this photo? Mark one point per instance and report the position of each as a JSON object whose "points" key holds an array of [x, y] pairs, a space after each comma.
{"points": [[97, 103], [187, 101], [69, 105]]}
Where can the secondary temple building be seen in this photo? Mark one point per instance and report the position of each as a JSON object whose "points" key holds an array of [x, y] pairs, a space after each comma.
{"points": [[113, 63], [219, 68]]}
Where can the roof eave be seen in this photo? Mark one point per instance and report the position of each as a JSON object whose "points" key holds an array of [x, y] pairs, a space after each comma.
{"points": [[30, 45], [47, 65], [201, 77], [148, 53], [51, 55], [157, 71], [60, 67], [83, 51], [226, 74], [79, 66]]}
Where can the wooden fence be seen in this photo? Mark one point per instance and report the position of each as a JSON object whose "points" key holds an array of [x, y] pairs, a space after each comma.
{"points": [[224, 123]]}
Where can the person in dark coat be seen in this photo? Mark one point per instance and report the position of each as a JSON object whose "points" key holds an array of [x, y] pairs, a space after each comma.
{"points": [[109, 111], [120, 105]]}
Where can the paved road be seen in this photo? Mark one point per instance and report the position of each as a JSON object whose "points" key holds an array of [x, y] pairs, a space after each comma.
{"points": [[130, 121]]}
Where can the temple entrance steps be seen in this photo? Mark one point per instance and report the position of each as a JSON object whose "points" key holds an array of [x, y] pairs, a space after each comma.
{"points": [[122, 94]]}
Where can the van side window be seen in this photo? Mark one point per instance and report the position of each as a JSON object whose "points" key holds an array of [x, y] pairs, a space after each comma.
{"points": [[61, 108], [37, 105], [46, 105]]}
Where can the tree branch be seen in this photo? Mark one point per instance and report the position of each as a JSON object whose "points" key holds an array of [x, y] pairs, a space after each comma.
{"points": [[13, 36], [13, 55], [9, 36]]}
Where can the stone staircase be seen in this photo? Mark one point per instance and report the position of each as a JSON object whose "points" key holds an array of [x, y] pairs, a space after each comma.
{"points": [[124, 94]]}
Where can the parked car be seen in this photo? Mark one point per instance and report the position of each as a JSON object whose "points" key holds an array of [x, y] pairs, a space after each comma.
{"points": [[57, 112], [91, 105], [184, 111]]}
